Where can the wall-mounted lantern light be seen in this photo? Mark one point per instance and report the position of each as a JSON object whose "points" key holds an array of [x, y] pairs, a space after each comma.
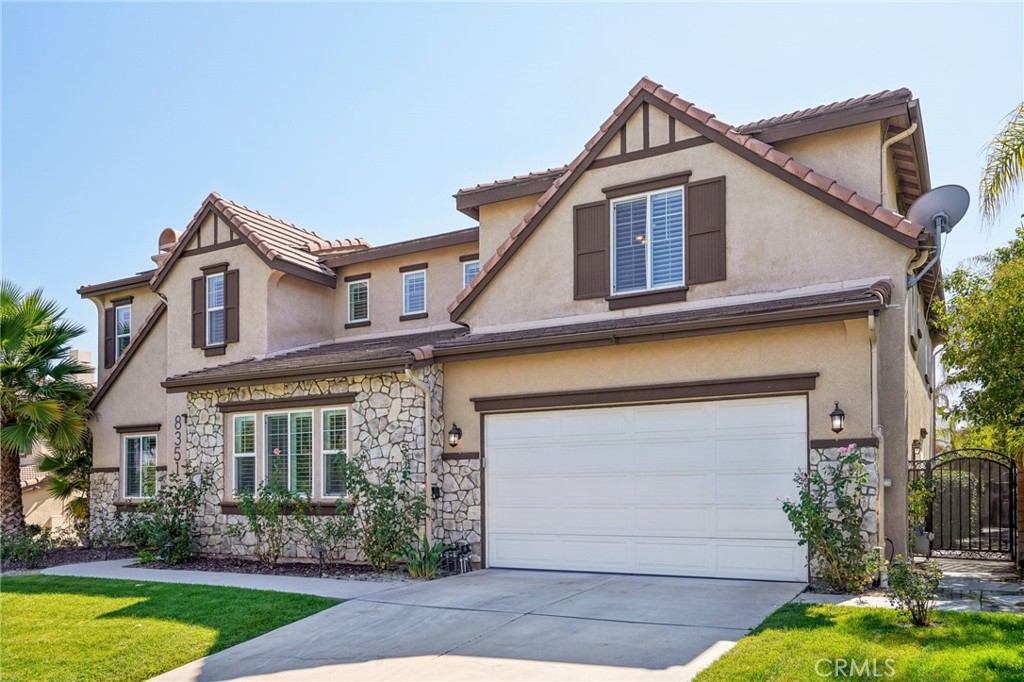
{"points": [[454, 436], [838, 417], [915, 449]]}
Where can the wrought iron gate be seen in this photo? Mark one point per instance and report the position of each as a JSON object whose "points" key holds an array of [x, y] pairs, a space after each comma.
{"points": [[974, 513]]}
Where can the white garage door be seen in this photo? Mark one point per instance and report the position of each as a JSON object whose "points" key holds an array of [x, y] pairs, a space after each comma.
{"points": [[683, 489]]}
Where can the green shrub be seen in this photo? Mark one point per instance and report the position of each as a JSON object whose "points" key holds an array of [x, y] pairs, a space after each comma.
{"points": [[912, 589], [268, 517], [166, 525], [322, 536], [828, 516], [423, 558], [107, 533], [388, 509], [27, 549]]}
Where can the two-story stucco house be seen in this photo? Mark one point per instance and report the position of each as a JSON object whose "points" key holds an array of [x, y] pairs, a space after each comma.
{"points": [[639, 348]]}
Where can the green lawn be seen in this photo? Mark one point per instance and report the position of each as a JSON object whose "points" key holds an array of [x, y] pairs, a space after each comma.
{"points": [[64, 629], [959, 647]]}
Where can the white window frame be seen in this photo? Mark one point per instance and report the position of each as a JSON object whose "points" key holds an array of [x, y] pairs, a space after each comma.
{"points": [[313, 445], [124, 463], [213, 309], [236, 455], [405, 291], [324, 452], [351, 317], [466, 279], [649, 251], [118, 351]]}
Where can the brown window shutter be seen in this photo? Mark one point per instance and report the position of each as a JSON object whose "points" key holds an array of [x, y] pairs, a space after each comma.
{"points": [[705, 231], [591, 238], [198, 312], [109, 336], [231, 306]]}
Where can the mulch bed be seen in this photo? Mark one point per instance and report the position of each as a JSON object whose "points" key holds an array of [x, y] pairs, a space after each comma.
{"points": [[73, 555], [290, 568]]}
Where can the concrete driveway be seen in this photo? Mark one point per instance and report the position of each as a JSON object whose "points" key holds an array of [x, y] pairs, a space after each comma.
{"points": [[509, 625]]}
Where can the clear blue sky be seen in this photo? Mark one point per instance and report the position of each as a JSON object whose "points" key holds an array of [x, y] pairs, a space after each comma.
{"points": [[362, 120]]}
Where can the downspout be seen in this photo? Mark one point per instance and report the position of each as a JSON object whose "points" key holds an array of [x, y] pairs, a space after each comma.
{"points": [[878, 432], [428, 464], [884, 161]]}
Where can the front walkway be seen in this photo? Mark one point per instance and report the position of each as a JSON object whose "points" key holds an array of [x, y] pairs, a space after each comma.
{"points": [[487, 625]]}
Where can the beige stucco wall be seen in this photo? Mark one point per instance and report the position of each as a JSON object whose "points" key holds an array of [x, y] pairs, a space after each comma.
{"points": [[850, 155], [143, 302], [42, 509], [778, 238], [498, 219], [444, 281], [253, 280], [137, 398], [299, 312]]}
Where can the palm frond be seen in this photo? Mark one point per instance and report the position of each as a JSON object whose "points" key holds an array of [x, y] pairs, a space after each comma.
{"points": [[1004, 166]]}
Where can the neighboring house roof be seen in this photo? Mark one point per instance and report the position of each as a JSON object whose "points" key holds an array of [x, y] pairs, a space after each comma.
{"points": [[133, 346], [317, 362], [335, 259], [783, 166], [32, 477], [281, 245], [395, 352], [140, 279], [870, 105]]}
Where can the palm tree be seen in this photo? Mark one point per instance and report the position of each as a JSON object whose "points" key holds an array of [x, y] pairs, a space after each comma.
{"points": [[1004, 166], [69, 476], [41, 399]]}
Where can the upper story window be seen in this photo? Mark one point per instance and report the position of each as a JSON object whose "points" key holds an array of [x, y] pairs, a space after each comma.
{"points": [[414, 287], [122, 329], [215, 305], [647, 241], [215, 309], [359, 301], [470, 270], [140, 465]]}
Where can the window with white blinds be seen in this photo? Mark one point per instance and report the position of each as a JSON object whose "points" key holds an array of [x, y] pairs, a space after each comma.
{"points": [[359, 301], [648, 241], [415, 289]]}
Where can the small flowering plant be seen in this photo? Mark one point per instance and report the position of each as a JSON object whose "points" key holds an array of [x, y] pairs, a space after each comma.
{"points": [[828, 517]]}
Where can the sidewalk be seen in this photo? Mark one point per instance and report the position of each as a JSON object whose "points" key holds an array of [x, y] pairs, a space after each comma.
{"points": [[321, 587]]}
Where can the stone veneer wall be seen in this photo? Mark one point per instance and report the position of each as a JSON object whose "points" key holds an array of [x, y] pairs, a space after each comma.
{"points": [[104, 494], [869, 500], [386, 421]]}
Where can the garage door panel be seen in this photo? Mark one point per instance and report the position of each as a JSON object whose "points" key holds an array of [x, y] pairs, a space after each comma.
{"points": [[684, 489], [697, 487], [675, 419]]}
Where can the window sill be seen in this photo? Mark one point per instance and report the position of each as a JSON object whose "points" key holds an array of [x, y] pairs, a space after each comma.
{"points": [[129, 505], [327, 508], [360, 323], [412, 316], [210, 351], [637, 299]]}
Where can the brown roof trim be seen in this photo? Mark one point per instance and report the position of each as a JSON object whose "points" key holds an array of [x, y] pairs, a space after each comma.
{"points": [[470, 235], [761, 154], [137, 428], [214, 268], [469, 257], [128, 354], [413, 267], [229, 406], [187, 383], [825, 443], [469, 200], [133, 282], [854, 111], [360, 277], [744, 317], [638, 154], [124, 300], [654, 393]]}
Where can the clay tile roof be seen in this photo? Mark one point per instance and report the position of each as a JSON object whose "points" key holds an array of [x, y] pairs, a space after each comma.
{"points": [[786, 162], [902, 94], [547, 174], [322, 246]]}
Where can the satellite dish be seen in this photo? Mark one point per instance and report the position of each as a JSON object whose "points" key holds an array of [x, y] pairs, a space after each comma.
{"points": [[941, 208]]}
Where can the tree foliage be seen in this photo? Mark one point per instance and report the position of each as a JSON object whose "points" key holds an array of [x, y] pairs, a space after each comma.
{"points": [[1004, 165], [41, 398], [983, 321]]}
